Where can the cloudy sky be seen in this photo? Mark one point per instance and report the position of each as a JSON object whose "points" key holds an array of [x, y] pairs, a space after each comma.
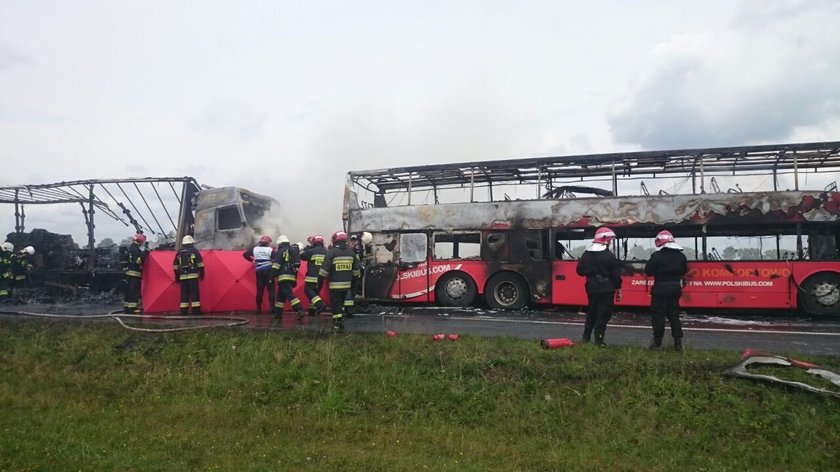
{"points": [[285, 97]]}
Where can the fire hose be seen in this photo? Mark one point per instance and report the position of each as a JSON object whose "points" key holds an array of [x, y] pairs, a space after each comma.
{"points": [[225, 321]]}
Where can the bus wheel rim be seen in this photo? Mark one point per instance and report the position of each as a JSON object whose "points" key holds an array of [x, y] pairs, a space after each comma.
{"points": [[827, 294], [456, 288], [506, 293]]}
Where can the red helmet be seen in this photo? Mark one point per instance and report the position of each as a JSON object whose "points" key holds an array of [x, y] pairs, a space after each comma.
{"points": [[140, 238], [339, 236], [603, 235], [265, 240], [663, 238], [317, 239]]}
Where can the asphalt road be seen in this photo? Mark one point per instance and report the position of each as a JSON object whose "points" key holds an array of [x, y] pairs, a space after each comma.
{"points": [[774, 333]]}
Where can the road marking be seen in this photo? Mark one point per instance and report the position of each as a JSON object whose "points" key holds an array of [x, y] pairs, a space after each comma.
{"points": [[570, 323]]}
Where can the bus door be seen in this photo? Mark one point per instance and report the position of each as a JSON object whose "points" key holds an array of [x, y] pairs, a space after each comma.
{"points": [[412, 277], [380, 278], [567, 288]]}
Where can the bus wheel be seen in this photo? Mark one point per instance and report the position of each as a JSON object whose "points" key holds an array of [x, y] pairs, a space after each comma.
{"points": [[821, 294], [506, 291], [455, 289]]}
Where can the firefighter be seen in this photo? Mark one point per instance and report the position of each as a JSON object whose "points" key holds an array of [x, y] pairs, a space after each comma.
{"points": [[313, 254], [262, 256], [668, 265], [603, 284], [21, 266], [189, 269], [360, 245], [341, 269], [137, 252], [286, 264], [6, 254]]}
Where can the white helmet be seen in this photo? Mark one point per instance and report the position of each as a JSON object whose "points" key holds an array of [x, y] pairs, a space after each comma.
{"points": [[366, 237], [7, 246], [188, 240], [29, 250], [282, 239]]}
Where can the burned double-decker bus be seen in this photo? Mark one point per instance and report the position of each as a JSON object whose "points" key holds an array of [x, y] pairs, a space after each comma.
{"points": [[759, 225]]}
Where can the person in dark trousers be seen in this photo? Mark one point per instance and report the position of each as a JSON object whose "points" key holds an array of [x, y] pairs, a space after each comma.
{"points": [[6, 255], [286, 264], [189, 269], [359, 244], [314, 256], [262, 256], [603, 284], [341, 269], [137, 252], [21, 266], [668, 265]]}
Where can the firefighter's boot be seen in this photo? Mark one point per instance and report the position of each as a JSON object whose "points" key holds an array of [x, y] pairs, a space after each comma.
{"points": [[184, 311], [587, 334], [678, 345], [599, 340], [655, 344], [299, 313]]}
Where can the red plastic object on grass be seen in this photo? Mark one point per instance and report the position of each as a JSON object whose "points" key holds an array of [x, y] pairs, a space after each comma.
{"points": [[556, 343], [453, 337], [390, 333]]}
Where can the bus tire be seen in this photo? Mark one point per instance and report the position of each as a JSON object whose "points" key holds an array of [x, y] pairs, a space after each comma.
{"points": [[455, 289], [820, 294], [506, 291]]}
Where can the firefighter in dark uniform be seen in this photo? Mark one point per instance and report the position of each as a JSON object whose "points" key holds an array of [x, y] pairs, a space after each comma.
{"points": [[286, 264], [21, 266], [350, 298], [137, 253], [262, 256], [189, 269], [668, 265], [6, 256], [603, 284], [341, 269], [314, 257]]}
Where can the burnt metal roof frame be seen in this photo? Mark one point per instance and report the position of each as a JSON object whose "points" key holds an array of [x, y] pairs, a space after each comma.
{"points": [[67, 192], [131, 202], [714, 160]]}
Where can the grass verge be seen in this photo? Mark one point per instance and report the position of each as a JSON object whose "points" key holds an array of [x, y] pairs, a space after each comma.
{"points": [[96, 397]]}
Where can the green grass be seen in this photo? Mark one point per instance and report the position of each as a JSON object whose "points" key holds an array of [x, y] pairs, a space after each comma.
{"points": [[97, 397]]}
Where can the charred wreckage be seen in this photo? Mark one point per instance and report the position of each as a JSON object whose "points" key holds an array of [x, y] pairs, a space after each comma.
{"points": [[164, 208]]}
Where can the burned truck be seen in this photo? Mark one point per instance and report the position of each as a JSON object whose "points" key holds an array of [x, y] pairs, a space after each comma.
{"points": [[163, 208]]}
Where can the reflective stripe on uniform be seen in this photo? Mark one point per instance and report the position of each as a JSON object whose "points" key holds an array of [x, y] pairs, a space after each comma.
{"points": [[134, 273]]}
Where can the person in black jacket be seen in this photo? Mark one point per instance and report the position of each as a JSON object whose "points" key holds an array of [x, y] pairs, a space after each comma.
{"points": [[603, 284], [341, 269], [136, 257], [668, 265], [286, 265], [189, 269], [6, 255], [314, 257]]}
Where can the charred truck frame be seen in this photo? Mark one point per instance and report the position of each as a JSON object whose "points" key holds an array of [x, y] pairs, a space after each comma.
{"points": [[450, 233], [218, 218]]}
